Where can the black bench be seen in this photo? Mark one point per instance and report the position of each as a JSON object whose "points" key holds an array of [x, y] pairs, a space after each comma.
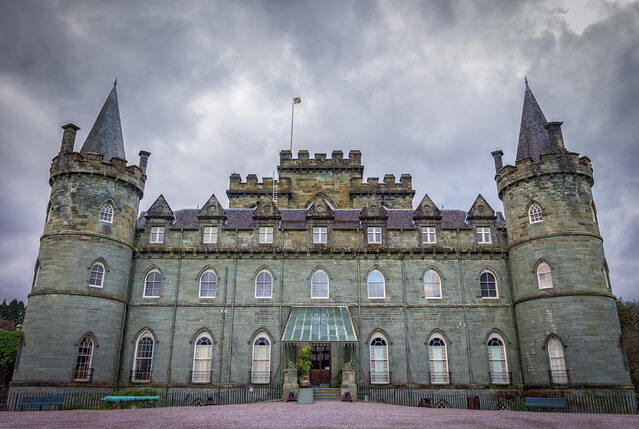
{"points": [[41, 401], [556, 403]]}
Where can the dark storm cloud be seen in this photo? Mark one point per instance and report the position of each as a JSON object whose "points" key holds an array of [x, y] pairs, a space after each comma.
{"points": [[428, 88]]}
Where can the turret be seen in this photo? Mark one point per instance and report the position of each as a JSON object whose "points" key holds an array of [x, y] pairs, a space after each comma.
{"points": [[78, 298], [557, 262]]}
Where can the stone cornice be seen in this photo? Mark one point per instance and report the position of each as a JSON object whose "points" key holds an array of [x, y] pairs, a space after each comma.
{"points": [[77, 293], [555, 234], [564, 294], [85, 234]]}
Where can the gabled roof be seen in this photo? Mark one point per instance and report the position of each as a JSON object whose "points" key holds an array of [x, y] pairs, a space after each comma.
{"points": [[160, 209], [533, 136], [481, 209], [427, 209], [373, 209], [266, 208], [211, 209], [105, 136]]}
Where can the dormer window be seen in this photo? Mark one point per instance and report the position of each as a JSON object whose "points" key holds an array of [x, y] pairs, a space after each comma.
{"points": [[534, 214], [320, 235], [106, 213], [483, 235], [266, 235], [209, 235], [374, 234], [157, 234], [428, 235]]}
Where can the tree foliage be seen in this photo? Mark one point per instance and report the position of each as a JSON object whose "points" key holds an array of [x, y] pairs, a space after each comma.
{"points": [[11, 314], [629, 321], [9, 342]]}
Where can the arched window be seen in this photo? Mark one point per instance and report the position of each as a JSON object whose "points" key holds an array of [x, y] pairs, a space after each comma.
{"points": [[208, 282], [319, 285], [96, 278], [497, 360], [606, 274], [36, 275], [544, 278], [488, 284], [593, 210], [264, 285], [376, 285], [153, 284], [202, 355], [379, 360], [432, 285], [558, 373], [106, 213], [261, 367], [143, 361], [83, 370], [438, 356], [534, 214]]}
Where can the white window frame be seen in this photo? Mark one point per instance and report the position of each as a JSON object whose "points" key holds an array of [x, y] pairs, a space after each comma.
{"points": [[270, 290], [199, 293], [320, 235], [606, 274], [429, 235], [374, 234], [484, 233], [204, 359], [145, 334], [157, 234], [439, 277], [557, 361], [265, 235], [86, 362], [259, 379], [496, 285], [504, 359], [37, 274], [209, 235], [534, 214], [106, 213], [542, 281], [328, 281], [368, 284], [101, 285], [146, 279], [593, 210], [379, 377], [432, 361]]}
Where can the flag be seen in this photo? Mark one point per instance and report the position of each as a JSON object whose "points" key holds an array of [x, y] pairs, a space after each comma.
{"points": [[297, 100]]}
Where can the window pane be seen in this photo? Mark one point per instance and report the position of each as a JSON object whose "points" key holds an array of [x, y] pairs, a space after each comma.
{"points": [[263, 285], [488, 285], [432, 284]]}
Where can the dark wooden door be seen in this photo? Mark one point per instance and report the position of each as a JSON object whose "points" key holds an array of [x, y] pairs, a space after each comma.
{"points": [[321, 363]]}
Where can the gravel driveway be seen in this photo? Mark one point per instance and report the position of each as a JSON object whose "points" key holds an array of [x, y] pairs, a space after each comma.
{"points": [[320, 414]]}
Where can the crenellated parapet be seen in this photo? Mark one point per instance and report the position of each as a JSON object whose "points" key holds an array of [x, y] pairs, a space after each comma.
{"points": [[303, 162], [246, 193], [395, 194]]}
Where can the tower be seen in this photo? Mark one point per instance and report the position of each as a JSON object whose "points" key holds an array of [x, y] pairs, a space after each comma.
{"points": [[72, 328], [565, 311]]}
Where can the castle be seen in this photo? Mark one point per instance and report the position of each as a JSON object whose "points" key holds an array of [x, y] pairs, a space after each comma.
{"points": [[209, 297]]}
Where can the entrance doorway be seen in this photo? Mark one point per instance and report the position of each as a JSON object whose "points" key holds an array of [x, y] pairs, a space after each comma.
{"points": [[320, 364]]}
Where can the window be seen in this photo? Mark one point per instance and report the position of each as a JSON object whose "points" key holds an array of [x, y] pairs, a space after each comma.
{"points": [[497, 360], [488, 284], [544, 278], [428, 235], [153, 284], [96, 278], [379, 361], [319, 235], [157, 234], [143, 361], [202, 355], [558, 373], [264, 285], [210, 235], [49, 210], [266, 235], [83, 370], [534, 214], [261, 364], [208, 282], [319, 285], [37, 274], [606, 275], [374, 234], [432, 285], [106, 213], [483, 235], [376, 286], [593, 210], [438, 360]]}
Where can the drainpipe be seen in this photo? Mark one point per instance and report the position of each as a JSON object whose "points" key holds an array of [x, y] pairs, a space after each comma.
{"points": [[175, 303], [406, 347], [219, 374], [463, 290], [232, 313], [359, 306], [281, 346], [515, 322], [123, 327]]}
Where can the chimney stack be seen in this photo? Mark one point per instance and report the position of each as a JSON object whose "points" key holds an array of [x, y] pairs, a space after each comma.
{"points": [[555, 136], [68, 138], [498, 162], [144, 159]]}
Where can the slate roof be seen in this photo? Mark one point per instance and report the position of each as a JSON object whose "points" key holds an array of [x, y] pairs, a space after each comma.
{"points": [[105, 136], [533, 136]]}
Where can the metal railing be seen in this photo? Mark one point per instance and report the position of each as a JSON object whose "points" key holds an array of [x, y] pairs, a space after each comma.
{"points": [[83, 374], [439, 377], [557, 376], [138, 376], [259, 377], [380, 377], [501, 378], [200, 377]]}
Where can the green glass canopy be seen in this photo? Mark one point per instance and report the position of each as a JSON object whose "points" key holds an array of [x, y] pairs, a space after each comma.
{"points": [[326, 324]]}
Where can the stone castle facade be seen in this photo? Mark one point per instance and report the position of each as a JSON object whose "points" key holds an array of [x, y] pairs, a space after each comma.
{"points": [[403, 294]]}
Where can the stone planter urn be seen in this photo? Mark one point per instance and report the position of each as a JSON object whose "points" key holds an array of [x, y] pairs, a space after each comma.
{"points": [[305, 380], [348, 383], [290, 382]]}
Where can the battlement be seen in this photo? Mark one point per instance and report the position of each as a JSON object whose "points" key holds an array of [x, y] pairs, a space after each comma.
{"points": [[116, 168], [550, 163], [320, 161], [388, 186]]}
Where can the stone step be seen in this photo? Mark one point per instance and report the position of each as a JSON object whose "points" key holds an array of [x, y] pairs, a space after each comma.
{"points": [[326, 394]]}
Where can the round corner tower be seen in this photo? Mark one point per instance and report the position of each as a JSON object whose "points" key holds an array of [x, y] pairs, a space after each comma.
{"points": [[565, 312], [80, 288]]}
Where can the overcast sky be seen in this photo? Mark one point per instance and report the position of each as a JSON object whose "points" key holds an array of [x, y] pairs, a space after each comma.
{"points": [[426, 88]]}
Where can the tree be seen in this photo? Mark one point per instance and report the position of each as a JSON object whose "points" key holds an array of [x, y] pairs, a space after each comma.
{"points": [[629, 321], [9, 342], [12, 314]]}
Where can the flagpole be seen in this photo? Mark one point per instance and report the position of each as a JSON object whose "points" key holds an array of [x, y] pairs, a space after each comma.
{"points": [[292, 110]]}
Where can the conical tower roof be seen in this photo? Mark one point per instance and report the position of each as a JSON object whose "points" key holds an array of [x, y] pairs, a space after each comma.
{"points": [[106, 135], [533, 136]]}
